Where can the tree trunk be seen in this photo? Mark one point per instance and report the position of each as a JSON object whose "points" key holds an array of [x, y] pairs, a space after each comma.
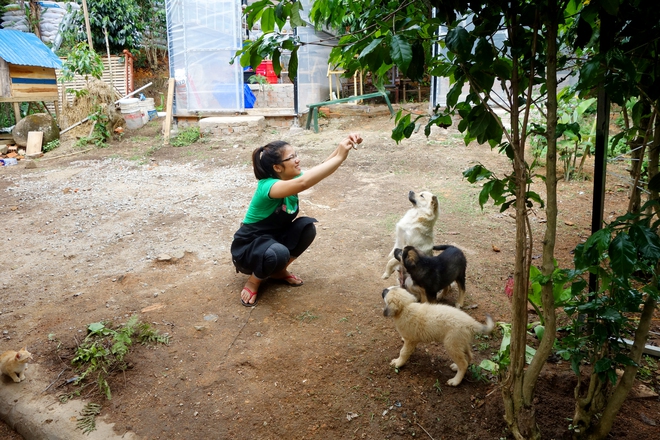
{"points": [[547, 297], [654, 153], [637, 156], [519, 413]]}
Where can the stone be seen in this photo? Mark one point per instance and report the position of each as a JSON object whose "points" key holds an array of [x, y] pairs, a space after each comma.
{"points": [[37, 122]]}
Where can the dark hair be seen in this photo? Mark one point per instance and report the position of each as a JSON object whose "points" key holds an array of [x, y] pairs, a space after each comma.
{"points": [[263, 159]]}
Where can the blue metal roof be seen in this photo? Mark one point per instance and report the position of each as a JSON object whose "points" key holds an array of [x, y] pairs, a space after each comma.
{"points": [[26, 49]]}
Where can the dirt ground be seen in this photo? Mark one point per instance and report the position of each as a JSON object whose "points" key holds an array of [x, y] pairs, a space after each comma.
{"points": [[82, 237]]}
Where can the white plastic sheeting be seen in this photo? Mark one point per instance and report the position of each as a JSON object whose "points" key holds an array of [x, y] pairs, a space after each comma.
{"points": [[203, 36]]}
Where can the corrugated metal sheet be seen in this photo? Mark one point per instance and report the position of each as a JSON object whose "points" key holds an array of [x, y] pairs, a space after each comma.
{"points": [[26, 49]]}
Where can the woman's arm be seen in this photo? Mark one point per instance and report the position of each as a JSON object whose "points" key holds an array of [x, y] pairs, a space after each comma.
{"points": [[311, 177]]}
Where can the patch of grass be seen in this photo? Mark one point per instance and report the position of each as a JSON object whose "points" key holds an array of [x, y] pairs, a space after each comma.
{"points": [[389, 222], [306, 316], [187, 136], [483, 346], [50, 146], [102, 351], [437, 386], [344, 319], [646, 368], [478, 374], [153, 149]]}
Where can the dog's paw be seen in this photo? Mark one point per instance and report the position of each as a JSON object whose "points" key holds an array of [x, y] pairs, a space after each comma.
{"points": [[385, 276], [396, 363], [453, 382], [454, 367]]}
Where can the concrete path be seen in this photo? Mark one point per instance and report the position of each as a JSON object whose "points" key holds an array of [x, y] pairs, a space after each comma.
{"points": [[36, 414]]}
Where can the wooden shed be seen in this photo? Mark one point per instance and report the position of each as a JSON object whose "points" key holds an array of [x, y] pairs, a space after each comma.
{"points": [[27, 70]]}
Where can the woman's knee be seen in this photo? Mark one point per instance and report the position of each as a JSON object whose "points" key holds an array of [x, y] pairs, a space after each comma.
{"points": [[275, 259]]}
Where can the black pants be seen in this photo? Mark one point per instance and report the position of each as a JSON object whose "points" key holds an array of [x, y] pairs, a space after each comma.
{"points": [[277, 256]]}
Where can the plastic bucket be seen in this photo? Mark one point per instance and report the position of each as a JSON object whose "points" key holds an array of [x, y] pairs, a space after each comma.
{"points": [[133, 119], [129, 105]]}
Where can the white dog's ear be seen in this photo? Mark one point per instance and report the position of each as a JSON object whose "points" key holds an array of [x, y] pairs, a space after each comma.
{"points": [[387, 312], [434, 204]]}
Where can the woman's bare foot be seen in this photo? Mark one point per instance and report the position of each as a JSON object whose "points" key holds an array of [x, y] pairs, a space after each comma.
{"points": [[249, 292]]}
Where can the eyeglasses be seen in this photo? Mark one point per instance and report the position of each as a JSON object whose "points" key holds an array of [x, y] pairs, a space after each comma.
{"points": [[293, 156]]}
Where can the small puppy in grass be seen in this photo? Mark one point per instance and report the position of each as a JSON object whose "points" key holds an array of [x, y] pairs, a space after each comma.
{"points": [[429, 275], [415, 228], [424, 322]]}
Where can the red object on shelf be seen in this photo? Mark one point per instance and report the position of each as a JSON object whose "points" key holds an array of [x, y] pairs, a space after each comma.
{"points": [[266, 69]]}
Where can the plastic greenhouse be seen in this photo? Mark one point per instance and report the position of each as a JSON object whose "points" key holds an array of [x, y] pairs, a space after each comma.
{"points": [[204, 35]]}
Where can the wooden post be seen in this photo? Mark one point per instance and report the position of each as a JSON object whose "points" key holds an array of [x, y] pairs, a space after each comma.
{"points": [[17, 111], [107, 48], [89, 29], [167, 124]]}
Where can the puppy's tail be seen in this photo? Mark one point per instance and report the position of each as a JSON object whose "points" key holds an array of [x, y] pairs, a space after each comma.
{"points": [[487, 327], [442, 247]]}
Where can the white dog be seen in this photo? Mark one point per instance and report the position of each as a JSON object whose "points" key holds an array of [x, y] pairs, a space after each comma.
{"points": [[425, 322], [415, 228]]}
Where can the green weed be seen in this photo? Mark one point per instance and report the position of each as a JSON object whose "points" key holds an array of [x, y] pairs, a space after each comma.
{"points": [[306, 316], [187, 136], [437, 386], [50, 146], [102, 351]]}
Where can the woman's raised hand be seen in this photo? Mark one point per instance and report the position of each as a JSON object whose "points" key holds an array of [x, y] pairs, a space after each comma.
{"points": [[350, 142]]}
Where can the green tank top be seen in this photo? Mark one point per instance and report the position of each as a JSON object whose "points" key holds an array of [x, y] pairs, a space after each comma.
{"points": [[262, 205]]}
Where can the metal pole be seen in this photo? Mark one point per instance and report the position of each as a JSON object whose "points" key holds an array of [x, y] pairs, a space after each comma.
{"points": [[602, 133]]}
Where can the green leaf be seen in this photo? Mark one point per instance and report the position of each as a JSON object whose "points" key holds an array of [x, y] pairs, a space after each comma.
{"points": [[623, 255], [529, 354], [268, 20], [476, 173], [603, 365], [293, 64], [277, 66], [95, 327], [401, 52], [489, 365], [485, 192], [539, 330], [646, 241], [295, 19], [458, 41], [367, 50]]}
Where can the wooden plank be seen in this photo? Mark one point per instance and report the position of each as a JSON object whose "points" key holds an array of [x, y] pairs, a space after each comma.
{"points": [[16, 71], [32, 98], [30, 90], [167, 124], [34, 142], [5, 82]]}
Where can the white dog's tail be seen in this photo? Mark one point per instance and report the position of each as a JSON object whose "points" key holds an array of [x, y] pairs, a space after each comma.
{"points": [[487, 327]]}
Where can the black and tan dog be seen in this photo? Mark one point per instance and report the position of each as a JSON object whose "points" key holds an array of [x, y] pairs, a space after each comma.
{"points": [[424, 322], [428, 276]]}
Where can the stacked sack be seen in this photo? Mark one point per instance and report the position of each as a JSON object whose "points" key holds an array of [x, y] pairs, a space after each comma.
{"points": [[53, 17], [14, 18]]}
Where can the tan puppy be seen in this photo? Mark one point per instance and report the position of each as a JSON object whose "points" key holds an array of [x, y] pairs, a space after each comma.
{"points": [[425, 322], [415, 228]]}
